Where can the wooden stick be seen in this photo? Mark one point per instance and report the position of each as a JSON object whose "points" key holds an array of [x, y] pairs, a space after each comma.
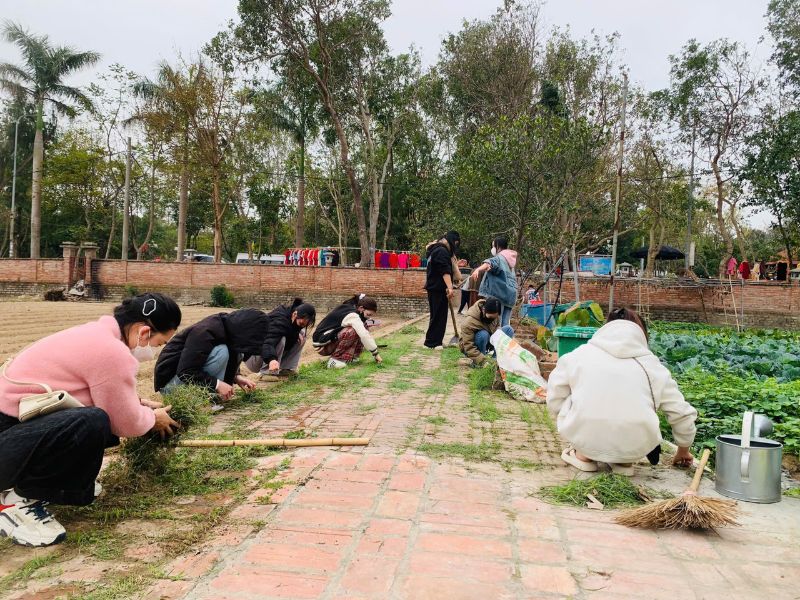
{"points": [[698, 474], [276, 442]]}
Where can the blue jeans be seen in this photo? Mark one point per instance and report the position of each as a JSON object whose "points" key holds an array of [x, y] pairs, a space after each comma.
{"points": [[216, 365], [505, 317], [482, 338]]}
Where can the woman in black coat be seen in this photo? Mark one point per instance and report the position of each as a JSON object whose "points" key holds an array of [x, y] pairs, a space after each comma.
{"points": [[439, 285], [209, 352]]}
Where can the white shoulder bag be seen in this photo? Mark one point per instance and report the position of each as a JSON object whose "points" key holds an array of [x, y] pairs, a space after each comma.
{"points": [[37, 405]]}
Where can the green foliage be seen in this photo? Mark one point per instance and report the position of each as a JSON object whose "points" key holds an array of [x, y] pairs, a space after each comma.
{"points": [[585, 314], [723, 373], [613, 491], [470, 452], [131, 290], [221, 296]]}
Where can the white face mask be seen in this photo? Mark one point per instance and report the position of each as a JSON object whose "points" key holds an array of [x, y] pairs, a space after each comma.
{"points": [[494, 251], [143, 353]]}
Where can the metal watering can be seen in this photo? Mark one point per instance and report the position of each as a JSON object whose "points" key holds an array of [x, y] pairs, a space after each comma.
{"points": [[749, 465]]}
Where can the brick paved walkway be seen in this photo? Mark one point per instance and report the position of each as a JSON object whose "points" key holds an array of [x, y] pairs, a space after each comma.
{"points": [[386, 521]]}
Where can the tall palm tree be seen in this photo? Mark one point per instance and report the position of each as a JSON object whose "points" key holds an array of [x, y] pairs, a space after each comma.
{"points": [[40, 79]]}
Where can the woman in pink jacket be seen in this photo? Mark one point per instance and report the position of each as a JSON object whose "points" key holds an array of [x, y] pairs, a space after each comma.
{"points": [[56, 457]]}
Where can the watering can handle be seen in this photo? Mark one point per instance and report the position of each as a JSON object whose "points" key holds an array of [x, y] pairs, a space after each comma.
{"points": [[747, 431]]}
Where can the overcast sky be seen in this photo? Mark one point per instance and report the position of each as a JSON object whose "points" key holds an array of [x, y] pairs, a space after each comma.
{"points": [[141, 33]]}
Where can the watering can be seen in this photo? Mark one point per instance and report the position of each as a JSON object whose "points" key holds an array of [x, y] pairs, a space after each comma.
{"points": [[749, 465]]}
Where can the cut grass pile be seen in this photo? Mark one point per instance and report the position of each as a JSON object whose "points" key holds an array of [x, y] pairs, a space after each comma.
{"points": [[471, 452], [612, 490]]}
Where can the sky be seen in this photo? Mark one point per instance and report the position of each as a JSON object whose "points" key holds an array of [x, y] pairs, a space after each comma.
{"points": [[142, 33]]}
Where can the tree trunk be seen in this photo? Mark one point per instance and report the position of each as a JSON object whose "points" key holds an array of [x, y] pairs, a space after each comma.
{"points": [[652, 252], [740, 239], [183, 201], [786, 241], [217, 217], [723, 228], [299, 236], [36, 187], [149, 234], [113, 231]]}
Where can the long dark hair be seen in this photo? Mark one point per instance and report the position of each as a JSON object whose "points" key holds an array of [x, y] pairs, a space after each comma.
{"points": [[363, 301], [626, 314], [158, 311]]}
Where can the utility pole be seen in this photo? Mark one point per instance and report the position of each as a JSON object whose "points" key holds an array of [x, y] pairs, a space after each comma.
{"points": [[12, 232], [126, 204], [691, 202], [619, 192]]}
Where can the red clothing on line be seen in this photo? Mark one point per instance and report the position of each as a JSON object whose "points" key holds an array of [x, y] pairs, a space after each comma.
{"points": [[393, 260], [415, 261], [744, 270], [377, 263]]}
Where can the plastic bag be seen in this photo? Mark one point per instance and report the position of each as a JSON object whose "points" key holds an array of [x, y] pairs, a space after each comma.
{"points": [[519, 369]]}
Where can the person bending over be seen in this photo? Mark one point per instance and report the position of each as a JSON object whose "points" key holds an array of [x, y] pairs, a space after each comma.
{"points": [[286, 333], [499, 280], [210, 352], [343, 333], [55, 457], [483, 319], [605, 396]]}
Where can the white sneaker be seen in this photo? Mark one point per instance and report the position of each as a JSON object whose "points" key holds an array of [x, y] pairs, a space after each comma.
{"points": [[29, 523], [334, 363]]}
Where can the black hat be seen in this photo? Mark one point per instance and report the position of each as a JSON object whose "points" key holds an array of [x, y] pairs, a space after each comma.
{"points": [[492, 305]]}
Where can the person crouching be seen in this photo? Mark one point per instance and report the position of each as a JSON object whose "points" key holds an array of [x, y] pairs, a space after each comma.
{"points": [[343, 333], [483, 319]]}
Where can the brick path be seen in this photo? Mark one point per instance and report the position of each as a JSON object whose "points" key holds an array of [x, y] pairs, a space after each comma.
{"points": [[386, 521]]}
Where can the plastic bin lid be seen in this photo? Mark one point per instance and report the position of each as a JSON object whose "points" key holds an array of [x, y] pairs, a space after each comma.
{"points": [[573, 331]]}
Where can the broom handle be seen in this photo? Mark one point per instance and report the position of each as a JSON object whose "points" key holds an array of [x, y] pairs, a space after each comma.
{"points": [[453, 316], [276, 442], [698, 474]]}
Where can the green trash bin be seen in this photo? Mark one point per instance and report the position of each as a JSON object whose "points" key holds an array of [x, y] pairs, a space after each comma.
{"points": [[571, 337]]}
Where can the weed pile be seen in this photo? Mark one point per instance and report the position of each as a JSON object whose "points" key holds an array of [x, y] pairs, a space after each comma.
{"points": [[610, 489], [149, 453]]}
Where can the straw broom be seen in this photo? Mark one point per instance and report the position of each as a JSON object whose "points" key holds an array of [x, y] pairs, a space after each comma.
{"points": [[689, 511]]}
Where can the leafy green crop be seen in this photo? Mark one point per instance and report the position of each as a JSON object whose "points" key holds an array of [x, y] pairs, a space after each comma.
{"points": [[723, 373]]}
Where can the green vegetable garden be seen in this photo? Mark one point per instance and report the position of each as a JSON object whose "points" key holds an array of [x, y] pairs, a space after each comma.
{"points": [[722, 373]]}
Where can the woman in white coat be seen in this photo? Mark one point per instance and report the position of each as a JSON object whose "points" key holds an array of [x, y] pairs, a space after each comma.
{"points": [[605, 396]]}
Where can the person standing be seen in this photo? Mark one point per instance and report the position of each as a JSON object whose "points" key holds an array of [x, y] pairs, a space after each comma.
{"points": [[499, 280], [439, 285]]}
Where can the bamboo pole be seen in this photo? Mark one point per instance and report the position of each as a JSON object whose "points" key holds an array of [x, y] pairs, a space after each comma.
{"points": [[274, 442]]}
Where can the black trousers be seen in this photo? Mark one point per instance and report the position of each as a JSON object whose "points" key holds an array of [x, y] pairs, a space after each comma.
{"points": [[464, 300], [438, 304], [55, 457]]}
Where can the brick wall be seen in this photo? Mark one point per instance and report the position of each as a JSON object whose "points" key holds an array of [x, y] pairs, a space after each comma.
{"points": [[398, 291]]}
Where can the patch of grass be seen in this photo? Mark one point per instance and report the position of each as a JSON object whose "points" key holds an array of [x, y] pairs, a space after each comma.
{"points": [[29, 569], [471, 452], [410, 330], [525, 413], [401, 385], [298, 434], [610, 489], [481, 395], [365, 409], [99, 543], [437, 420], [121, 589], [521, 463], [792, 493]]}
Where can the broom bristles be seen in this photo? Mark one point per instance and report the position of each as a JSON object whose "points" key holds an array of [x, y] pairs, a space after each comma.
{"points": [[684, 512]]}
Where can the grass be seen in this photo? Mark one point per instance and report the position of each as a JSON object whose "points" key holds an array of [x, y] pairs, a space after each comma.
{"points": [[99, 543], [123, 588], [792, 493], [481, 395], [521, 463], [29, 569], [612, 490], [437, 420], [482, 452], [365, 409], [298, 434]]}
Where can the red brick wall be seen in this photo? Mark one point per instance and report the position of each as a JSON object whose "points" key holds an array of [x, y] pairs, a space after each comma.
{"points": [[31, 271]]}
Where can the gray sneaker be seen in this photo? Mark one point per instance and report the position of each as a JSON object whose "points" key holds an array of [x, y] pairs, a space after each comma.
{"points": [[29, 523]]}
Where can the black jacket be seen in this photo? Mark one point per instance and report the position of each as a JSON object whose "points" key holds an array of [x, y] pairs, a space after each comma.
{"points": [[246, 332], [439, 263], [331, 325]]}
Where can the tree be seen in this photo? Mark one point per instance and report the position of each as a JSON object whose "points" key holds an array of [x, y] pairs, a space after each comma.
{"points": [[784, 25], [772, 173], [291, 107], [41, 79], [712, 92], [171, 105], [329, 41]]}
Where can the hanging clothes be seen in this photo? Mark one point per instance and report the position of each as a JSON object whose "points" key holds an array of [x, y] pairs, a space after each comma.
{"points": [[335, 259], [415, 261], [402, 261], [287, 257], [377, 260], [393, 260], [744, 269], [731, 269], [384, 260]]}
